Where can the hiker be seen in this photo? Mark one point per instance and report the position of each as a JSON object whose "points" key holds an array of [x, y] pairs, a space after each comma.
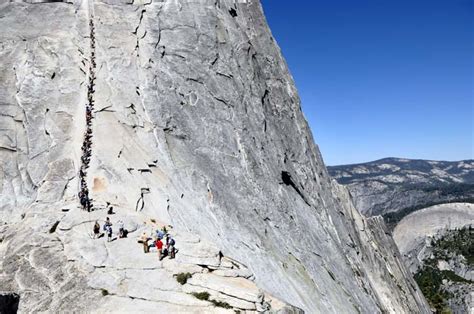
{"points": [[107, 225], [109, 233], [85, 202], [121, 230], [107, 222], [159, 248], [170, 246], [96, 230], [110, 211], [170, 250], [144, 239], [160, 234], [108, 229], [85, 159], [84, 197]]}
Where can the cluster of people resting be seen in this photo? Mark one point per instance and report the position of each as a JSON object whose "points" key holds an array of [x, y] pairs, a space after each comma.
{"points": [[86, 202], [166, 248], [161, 240], [107, 228]]}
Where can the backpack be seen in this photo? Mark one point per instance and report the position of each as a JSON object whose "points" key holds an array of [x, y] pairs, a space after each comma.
{"points": [[171, 242]]}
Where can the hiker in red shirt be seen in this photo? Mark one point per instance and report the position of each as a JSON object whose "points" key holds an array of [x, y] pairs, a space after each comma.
{"points": [[159, 247]]}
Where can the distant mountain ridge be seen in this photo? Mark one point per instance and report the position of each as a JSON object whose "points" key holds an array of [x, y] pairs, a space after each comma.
{"points": [[434, 170], [394, 187]]}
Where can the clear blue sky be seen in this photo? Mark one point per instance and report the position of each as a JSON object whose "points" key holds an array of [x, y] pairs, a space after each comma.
{"points": [[381, 78]]}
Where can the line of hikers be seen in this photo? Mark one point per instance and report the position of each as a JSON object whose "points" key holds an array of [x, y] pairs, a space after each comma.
{"points": [[84, 199], [164, 249]]}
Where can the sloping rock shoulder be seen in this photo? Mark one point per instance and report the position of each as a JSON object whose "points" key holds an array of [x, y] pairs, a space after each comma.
{"points": [[415, 231], [197, 124]]}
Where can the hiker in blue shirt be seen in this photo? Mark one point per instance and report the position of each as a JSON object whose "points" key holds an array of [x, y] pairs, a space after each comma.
{"points": [[160, 234], [108, 229]]}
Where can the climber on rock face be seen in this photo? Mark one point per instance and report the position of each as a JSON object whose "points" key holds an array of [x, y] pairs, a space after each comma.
{"points": [[84, 200], [85, 159]]}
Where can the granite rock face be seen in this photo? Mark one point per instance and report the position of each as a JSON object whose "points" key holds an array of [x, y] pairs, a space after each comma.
{"points": [[196, 125], [439, 239], [414, 232], [400, 186]]}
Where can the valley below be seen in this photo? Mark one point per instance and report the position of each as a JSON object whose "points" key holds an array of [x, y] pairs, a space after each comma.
{"points": [[428, 207]]}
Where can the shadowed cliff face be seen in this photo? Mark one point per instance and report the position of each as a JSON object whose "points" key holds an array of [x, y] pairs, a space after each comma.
{"points": [[197, 123], [9, 302]]}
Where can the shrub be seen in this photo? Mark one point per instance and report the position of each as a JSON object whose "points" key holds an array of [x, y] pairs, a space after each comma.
{"points": [[221, 304], [205, 297], [202, 295], [182, 278]]}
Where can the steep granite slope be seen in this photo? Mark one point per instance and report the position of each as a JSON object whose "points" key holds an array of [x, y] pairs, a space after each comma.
{"points": [[396, 186], [196, 125]]}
